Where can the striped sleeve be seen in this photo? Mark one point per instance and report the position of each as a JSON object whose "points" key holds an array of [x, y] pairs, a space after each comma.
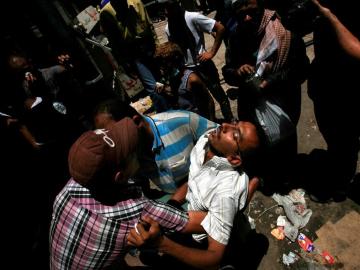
{"points": [[199, 125]]}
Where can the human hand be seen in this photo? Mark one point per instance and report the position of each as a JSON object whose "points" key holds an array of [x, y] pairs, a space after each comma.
{"points": [[263, 84], [245, 70], [205, 56], [139, 236], [160, 87], [29, 78], [323, 10], [254, 183], [64, 59]]}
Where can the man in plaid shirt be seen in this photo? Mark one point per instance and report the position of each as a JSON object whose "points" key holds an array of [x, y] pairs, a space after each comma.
{"points": [[95, 211]]}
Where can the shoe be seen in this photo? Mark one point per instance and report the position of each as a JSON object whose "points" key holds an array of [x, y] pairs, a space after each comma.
{"points": [[321, 198], [232, 93], [339, 196]]}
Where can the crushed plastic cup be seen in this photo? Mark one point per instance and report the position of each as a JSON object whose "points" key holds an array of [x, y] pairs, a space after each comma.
{"points": [[289, 259], [281, 221]]}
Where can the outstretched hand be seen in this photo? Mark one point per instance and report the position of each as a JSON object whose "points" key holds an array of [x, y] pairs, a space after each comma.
{"points": [[139, 236]]}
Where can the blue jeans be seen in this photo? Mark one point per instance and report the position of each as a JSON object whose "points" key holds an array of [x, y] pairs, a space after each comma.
{"points": [[149, 83]]}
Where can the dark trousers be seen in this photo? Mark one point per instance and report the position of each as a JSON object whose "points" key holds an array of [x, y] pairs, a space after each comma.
{"points": [[337, 114], [210, 75]]}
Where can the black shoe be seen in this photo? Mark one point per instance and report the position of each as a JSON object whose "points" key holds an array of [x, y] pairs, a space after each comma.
{"points": [[232, 93], [339, 196], [353, 191], [321, 197]]}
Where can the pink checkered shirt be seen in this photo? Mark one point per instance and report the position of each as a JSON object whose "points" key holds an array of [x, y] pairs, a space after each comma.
{"points": [[86, 234]]}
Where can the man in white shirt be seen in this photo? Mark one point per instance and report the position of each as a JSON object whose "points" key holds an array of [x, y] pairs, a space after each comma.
{"points": [[216, 185], [187, 30]]}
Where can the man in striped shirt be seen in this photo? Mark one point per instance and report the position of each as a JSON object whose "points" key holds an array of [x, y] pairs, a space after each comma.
{"points": [[170, 136]]}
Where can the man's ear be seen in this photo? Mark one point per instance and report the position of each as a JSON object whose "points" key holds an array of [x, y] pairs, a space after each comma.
{"points": [[235, 160]]}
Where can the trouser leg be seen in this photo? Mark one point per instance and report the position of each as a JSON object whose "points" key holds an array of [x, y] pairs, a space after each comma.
{"points": [[209, 73], [149, 83]]}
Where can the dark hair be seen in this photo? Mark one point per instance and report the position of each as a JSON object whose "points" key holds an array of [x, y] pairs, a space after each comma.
{"points": [[169, 52], [240, 3], [117, 108], [179, 31], [252, 158], [298, 16]]}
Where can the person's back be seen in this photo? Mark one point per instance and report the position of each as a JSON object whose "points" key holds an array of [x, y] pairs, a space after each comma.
{"points": [[169, 135], [175, 133]]}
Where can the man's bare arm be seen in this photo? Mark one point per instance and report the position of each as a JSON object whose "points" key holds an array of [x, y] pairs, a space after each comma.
{"points": [[180, 193], [219, 30], [346, 39], [204, 259]]}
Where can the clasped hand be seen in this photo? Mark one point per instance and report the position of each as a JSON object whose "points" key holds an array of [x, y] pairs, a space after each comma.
{"points": [[140, 236]]}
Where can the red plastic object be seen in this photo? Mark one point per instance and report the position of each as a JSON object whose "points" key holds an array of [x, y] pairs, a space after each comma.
{"points": [[305, 243], [328, 258]]}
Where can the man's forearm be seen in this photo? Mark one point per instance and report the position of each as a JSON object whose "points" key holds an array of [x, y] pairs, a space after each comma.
{"points": [[347, 40], [220, 30], [349, 43], [180, 193], [194, 224], [203, 259]]}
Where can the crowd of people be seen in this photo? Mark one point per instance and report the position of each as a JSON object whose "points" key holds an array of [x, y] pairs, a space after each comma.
{"points": [[96, 178]]}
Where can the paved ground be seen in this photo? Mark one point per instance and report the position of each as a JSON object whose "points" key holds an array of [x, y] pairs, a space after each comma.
{"points": [[335, 227]]}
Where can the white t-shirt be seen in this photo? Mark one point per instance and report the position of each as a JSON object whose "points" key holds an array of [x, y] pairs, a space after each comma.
{"points": [[198, 25], [217, 188]]}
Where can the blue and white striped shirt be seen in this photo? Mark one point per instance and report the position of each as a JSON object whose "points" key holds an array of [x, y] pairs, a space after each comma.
{"points": [[175, 134]]}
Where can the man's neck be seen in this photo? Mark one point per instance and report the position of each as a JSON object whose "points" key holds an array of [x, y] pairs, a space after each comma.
{"points": [[210, 152], [208, 155]]}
